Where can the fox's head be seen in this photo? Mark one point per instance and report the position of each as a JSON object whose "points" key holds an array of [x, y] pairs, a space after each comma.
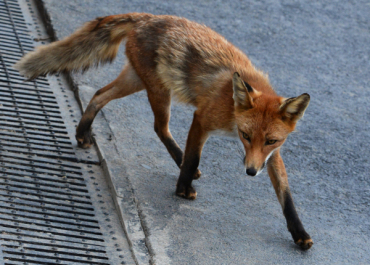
{"points": [[264, 122]]}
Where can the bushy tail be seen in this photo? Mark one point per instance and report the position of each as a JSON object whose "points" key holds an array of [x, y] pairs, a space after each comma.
{"points": [[94, 43]]}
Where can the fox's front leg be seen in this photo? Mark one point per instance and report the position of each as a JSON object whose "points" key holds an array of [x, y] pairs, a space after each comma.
{"points": [[193, 150], [279, 179]]}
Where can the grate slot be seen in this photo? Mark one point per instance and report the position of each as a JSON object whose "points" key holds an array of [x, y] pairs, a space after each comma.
{"points": [[17, 108], [45, 208], [9, 42], [31, 112], [59, 250], [42, 259], [35, 174], [46, 154], [22, 81], [13, 14], [18, 148], [31, 93], [27, 99], [42, 161], [18, 24], [12, 74], [50, 219], [34, 168], [20, 119], [25, 86], [51, 155], [32, 139], [31, 129], [20, 31], [13, 85], [48, 235], [48, 213], [60, 156], [7, 49], [50, 179], [20, 236], [11, 56], [47, 229], [62, 197], [55, 244], [24, 100], [50, 225], [10, 8], [43, 201], [13, 196], [25, 116], [41, 183], [42, 189], [11, 49]]}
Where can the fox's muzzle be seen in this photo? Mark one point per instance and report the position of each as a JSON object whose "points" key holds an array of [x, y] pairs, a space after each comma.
{"points": [[251, 171]]}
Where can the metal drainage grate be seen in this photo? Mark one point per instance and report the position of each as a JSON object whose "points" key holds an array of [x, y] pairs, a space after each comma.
{"points": [[46, 213]]}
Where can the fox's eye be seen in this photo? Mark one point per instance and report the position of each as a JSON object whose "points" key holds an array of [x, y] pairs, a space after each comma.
{"points": [[246, 137], [270, 142]]}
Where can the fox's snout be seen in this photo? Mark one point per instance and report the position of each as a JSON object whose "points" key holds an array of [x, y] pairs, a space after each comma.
{"points": [[251, 171]]}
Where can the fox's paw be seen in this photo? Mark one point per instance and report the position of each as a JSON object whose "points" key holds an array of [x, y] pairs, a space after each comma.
{"points": [[304, 244], [84, 140], [186, 192], [302, 239], [197, 174]]}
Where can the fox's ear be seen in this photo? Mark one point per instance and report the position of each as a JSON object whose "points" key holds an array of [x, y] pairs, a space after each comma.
{"points": [[294, 108], [241, 96]]}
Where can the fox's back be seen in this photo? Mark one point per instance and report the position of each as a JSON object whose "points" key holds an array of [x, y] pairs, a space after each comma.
{"points": [[189, 58]]}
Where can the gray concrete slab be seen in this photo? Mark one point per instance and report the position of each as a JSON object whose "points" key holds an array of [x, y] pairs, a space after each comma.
{"points": [[317, 47]]}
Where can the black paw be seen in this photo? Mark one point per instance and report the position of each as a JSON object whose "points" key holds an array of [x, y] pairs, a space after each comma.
{"points": [[302, 239], [304, 244], [85, 139], [187, 192]]}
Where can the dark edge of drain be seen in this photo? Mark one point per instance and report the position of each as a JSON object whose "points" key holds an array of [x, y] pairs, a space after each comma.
{"points": [[47, 21]]}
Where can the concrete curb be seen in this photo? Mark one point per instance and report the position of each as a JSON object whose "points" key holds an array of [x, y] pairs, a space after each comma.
{"points": [[124, 199]]}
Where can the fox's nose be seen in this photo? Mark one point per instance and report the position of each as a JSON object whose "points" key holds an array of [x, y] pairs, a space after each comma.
{"points": [[251, 171]]}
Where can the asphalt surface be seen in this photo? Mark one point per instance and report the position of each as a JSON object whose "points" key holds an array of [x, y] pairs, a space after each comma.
{"points": [[318, 47]]}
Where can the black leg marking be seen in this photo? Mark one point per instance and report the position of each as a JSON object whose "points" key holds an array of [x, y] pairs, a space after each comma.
{"points": [[295, 227], [174, 150], [188, 171], [83, 131]]}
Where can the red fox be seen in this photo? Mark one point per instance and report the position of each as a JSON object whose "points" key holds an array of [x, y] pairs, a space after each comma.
{"points": [[174, 57]]}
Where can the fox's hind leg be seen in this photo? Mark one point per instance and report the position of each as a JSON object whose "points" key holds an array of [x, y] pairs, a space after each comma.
{"points": [[125, 84], [160, 101]]}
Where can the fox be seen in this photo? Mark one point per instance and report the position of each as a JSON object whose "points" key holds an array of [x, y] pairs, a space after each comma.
{"points": [[172, 57]]}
